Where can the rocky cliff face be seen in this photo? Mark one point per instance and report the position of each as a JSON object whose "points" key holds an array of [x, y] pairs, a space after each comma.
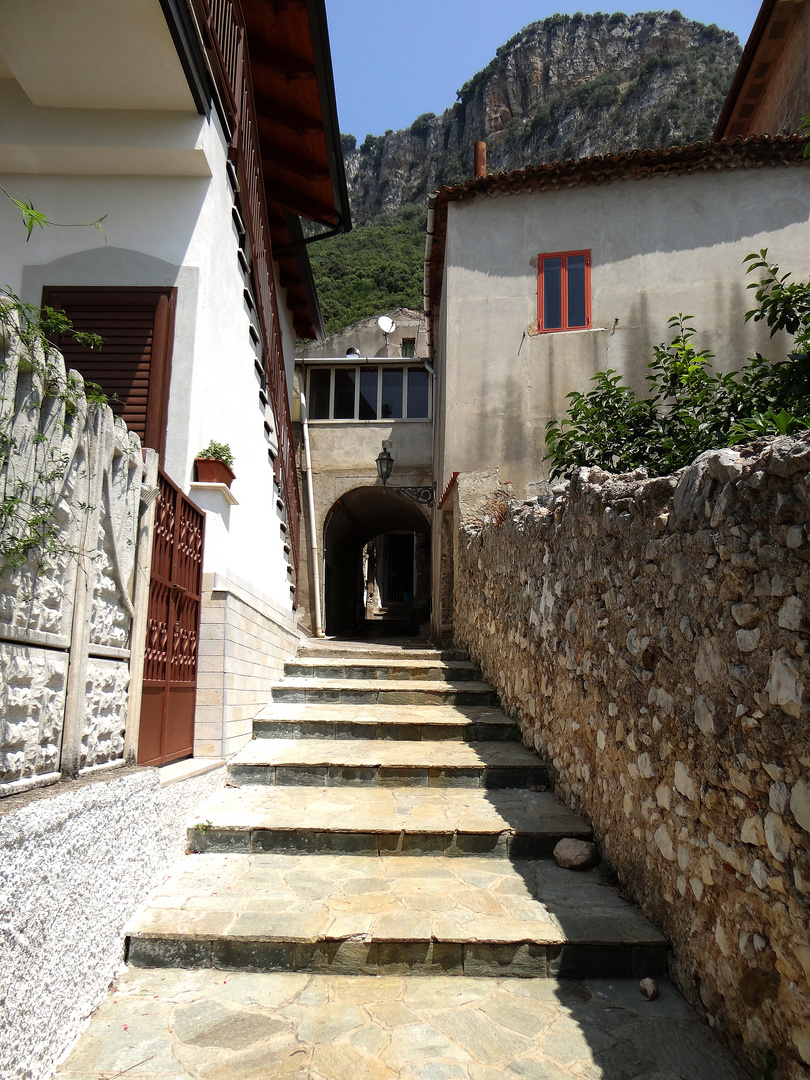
{"points": [[569, 86]]}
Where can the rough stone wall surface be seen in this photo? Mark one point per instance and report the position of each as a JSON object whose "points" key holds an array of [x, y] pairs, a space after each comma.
{"points": [[652, 637], [88, 470], [32, 705], [75, 868], [105, 719]]}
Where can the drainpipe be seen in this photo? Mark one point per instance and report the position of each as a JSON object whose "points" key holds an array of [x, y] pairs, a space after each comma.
{"points": [[313, 536], [426, 276], [480, 160]]}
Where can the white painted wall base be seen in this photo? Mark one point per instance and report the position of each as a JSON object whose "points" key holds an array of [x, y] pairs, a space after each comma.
{"points": [[244, 640]]}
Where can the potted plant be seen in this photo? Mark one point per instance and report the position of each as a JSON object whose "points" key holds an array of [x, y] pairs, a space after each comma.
{"points": [[215, 464]]}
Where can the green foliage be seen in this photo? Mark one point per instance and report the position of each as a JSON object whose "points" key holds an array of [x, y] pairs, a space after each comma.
{"points": [[783, 305], [29, 525], [804, 126], [421, 125], [691, 407], [217, 451], [347, 143], [374, 268], [32, 217]]}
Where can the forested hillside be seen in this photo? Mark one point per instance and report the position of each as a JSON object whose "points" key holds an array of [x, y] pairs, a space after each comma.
{"points": [[566, 86]]}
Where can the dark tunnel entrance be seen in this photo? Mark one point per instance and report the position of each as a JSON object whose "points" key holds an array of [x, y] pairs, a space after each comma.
{"points": [[376, 563]]}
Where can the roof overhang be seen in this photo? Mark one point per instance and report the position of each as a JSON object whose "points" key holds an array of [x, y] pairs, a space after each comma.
{"points": [[97, 54], [299, 138], [757, 66]]}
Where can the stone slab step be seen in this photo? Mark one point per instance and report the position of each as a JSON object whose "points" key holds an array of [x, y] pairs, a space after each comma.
{"points": [[384, 692], [377, 650], [394, 763], [387, 669], [384, 821], [260, 1026], [385, 915], [470, 723]]}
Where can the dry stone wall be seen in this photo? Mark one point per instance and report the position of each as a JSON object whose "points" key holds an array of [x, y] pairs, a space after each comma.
{"points": [[652, 637]]}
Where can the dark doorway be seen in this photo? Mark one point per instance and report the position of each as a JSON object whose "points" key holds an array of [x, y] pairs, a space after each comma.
{"points": [[377, 563], [396, 569]]}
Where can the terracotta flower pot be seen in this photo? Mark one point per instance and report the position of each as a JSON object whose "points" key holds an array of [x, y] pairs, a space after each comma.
{"points": [[211, 471]]}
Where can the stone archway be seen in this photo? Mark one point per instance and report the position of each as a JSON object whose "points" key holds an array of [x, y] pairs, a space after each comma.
{"points": [[371, 525]]}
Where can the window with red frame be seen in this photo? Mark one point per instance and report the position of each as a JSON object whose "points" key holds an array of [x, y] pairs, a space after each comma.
{"points": [[564, 291]]}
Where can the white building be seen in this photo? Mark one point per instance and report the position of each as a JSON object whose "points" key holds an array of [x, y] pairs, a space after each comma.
{"points": [[202, 131]]}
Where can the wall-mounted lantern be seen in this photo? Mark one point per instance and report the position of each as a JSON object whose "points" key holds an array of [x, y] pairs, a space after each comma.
{"points": [[385, 463]]}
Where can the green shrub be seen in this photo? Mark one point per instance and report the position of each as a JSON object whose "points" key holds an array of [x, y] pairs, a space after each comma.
{"points": [[692, 408]]}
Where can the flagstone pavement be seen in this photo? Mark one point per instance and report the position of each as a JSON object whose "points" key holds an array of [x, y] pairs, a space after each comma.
{"points": [[171, 1024]]}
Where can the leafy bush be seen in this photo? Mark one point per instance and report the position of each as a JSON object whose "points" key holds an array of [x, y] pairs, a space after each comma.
{"points": [[421, 125], [216, 451], [691, 407]]}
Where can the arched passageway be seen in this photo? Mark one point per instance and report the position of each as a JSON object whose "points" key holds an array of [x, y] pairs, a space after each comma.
{"points": [[376, 560]]}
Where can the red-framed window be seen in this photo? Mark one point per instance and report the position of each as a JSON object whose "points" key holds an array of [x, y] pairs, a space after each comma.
{"points": [[564, 291]]}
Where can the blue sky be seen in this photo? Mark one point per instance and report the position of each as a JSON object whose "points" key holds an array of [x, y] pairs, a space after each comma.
{"points": [[395, 59]]}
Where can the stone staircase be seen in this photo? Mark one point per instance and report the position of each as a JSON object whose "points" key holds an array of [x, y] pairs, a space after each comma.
{"points": [[385, 819]]}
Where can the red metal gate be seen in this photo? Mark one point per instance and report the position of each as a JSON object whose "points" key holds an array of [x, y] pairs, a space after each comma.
{"points": [[173, 629]]}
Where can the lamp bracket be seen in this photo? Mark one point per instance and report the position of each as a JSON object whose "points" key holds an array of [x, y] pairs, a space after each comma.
{"points": [[421, 495]]}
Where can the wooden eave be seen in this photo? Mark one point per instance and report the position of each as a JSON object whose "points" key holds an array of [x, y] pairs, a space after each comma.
{"points": [[299, 139], [758, 66]]}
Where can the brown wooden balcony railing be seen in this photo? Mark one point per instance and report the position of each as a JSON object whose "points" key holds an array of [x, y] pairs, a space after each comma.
{"points": [[225, 27]]}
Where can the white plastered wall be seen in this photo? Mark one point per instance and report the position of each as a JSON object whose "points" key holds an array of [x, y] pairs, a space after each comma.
{"points": [[175, 229], [659, 246]]}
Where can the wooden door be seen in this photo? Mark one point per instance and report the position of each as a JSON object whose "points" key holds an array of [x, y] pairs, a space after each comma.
{"points": [[173, 629]]}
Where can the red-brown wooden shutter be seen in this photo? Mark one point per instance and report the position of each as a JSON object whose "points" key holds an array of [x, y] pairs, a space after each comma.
{"points": [[133, 366]]}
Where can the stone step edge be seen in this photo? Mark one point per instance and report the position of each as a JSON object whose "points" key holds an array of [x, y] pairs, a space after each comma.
{"points": [[413, 693], [389, 730], [307, 682], [516, 959], [407, 672], [491, 777], [322, 652], [451, 843], [394, 662]]}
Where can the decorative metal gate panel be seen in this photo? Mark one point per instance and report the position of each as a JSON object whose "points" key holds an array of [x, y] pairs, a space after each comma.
{"points": [[173, 628]]}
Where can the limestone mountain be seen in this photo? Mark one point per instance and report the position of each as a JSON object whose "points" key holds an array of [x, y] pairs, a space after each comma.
{"points": [[567, 86]]}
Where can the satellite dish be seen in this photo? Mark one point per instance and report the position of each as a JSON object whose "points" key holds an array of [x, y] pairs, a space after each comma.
{"points": [[385, 324]]}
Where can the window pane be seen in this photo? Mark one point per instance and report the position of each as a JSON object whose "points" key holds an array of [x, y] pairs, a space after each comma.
{"points": [[344, 393], [392, 394], [368, 393], [576, 290], [417, 393], [552, 294], [408, 347], [318, 403]]}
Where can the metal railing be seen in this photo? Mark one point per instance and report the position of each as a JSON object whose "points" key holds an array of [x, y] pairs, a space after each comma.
{"points": [[225, 27]]}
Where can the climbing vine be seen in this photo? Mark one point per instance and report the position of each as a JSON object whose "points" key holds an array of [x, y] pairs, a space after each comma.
{"points": [[33, 467]]}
